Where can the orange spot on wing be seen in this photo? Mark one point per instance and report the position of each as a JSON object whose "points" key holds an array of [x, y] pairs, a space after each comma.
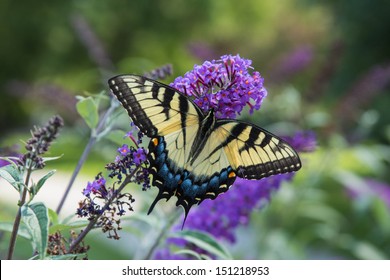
{"points": [[155, 141]]}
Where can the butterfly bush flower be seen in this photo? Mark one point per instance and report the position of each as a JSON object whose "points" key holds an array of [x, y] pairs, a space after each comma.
{"points": [[39, 143], [98, 194], [224, 85], [302, 141]]}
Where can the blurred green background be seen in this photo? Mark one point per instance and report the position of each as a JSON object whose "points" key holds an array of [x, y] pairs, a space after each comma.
{"points": [[326, 66]]}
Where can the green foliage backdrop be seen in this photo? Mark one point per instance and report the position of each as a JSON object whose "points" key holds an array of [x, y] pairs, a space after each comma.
{"points": [[326, 67]]}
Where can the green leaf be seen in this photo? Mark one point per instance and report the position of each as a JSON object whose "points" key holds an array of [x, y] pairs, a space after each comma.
{"points": [[192, 253], [382, 214], [22, 232], [204, 241], [367, 251], [88, 110], [73, 225], [12, 175], [35, 217], [36, 187], [53, 216], [45, 159]]}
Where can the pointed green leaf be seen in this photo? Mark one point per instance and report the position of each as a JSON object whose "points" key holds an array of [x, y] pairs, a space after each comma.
{"points": [[45, 159], [204, 241], [35, 217], [41, 182], [88, 110], [12, 175]]}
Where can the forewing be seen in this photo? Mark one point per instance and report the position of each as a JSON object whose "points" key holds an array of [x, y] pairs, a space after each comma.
{"points": [[155, 108]]}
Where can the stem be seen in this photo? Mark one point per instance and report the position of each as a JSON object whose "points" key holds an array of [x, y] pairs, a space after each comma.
{"points": [[162, 234], [92, 223], [84, 156], [18, 217]]}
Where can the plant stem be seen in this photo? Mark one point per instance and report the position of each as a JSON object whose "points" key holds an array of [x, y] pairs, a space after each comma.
{"points": [[18, 217], [84, 156], [92, 223]]}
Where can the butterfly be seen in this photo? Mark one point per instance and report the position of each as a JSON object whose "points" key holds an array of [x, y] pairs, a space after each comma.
{"points": [[192, 154]]}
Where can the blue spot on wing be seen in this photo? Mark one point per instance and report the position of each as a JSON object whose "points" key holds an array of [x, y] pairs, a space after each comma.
{"points": [[172, 180]]}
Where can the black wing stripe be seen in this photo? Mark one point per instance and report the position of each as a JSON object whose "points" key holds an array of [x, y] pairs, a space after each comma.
{"points": [[126, 97], [183, 107]]}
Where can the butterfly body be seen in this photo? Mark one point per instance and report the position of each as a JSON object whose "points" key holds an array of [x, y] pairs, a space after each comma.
{"points": [[192, 154]]}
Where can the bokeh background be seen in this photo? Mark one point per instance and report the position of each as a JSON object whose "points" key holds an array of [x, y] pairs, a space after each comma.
{"points": [[326, 66]]}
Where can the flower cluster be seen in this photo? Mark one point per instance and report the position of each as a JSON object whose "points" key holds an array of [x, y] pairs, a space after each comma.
{"points": [[160, 73], [127, 161], [105, 203], [224, 85], [302, 141], [40, 143]]}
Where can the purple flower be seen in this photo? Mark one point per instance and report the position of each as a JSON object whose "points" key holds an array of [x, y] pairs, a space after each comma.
{"points": [[222, 216], [291, 63], [302, 141], [139, 156], [124, 150], [224, 85], [96, 187], [130, 158]]}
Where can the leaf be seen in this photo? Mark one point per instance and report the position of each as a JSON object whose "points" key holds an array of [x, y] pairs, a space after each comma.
{"points": [[88, 110], [45, 159], [22, 232], [53, 216], [41, 182], [62, 227], [367, 251], [205, 242], [12, 175], [192, 253], [35, 217]]}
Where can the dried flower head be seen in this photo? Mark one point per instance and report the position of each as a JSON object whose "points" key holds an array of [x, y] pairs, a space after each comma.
{"points": [[40, 142]]}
